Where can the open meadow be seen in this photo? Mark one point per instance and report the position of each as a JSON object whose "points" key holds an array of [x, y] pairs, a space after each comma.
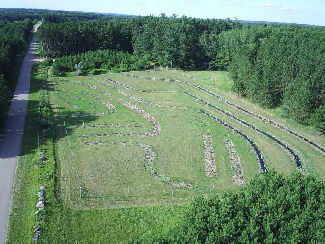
{"points": [[156, 137], [130, 151]]}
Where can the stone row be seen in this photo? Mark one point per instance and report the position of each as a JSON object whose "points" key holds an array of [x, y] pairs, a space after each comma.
{"points": [[93, 87], [105, 125], [91, 104], [236, 169], [44, 127], [131, 97], [250, 141], [294, 156], [139, 100], [118, 83], [209, 158], [265, 120], [155, 125]]}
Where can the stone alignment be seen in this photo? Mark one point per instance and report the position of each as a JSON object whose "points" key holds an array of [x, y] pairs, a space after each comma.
{"points": [[106, 125], [221, 99], [209, 158], [250, 141], [118, 83], [155, 125], [265, 120], [136, 99], [236, 169], [294, 156]]}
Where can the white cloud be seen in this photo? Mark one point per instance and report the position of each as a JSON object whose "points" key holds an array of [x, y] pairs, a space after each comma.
{"points": [[285, 8], [264, 5]]}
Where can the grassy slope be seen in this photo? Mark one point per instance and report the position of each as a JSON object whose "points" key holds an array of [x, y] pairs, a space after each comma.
{"points": [[82, 220]]}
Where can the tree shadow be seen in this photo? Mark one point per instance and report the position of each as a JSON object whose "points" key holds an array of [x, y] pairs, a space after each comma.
{"points": [[44, 123]]}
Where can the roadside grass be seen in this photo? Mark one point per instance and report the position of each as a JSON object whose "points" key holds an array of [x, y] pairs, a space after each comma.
{"points": [[111, 225]]}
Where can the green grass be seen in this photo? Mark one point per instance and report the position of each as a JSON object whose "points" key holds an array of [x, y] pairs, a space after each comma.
{"points": [[120, 199]]}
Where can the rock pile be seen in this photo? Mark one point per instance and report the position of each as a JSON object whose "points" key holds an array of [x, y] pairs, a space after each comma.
{"points": [[236, 169], [209, 158]]}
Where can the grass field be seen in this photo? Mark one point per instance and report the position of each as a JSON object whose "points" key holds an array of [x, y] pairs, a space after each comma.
{"points": [[131, 150]]}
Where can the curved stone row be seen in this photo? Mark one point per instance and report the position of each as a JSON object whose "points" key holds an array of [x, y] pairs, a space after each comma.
{"points": [[110, 107], [250, 141], [139, 100], [91, 104], [147, 78], [209, 158], [94, 88], [150, 156], [106, 125], [292, 153], [72, 105], [155, 131], [236, 169], [265, 120], [155, 125]]}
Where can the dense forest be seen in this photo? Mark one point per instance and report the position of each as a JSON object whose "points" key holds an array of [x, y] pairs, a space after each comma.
{"points": [[271, 209], [280, 66], [178, 42], [14, 37]]}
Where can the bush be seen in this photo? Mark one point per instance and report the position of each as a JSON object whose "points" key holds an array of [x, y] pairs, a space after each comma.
{"points": [[318, 119], [97, 61], [97, 71]]}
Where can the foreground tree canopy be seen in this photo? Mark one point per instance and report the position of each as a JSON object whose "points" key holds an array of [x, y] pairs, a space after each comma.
{"points": [[270, 209]]}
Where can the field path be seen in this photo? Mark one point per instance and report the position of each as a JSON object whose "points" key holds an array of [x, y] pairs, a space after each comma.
{"points": [[10, 141]]}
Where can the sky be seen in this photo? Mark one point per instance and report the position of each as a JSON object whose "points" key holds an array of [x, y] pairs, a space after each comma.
{"points": [[288, 11]]}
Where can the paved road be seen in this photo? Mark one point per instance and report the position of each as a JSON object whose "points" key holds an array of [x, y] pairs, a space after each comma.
{"points": [[11, 139]]}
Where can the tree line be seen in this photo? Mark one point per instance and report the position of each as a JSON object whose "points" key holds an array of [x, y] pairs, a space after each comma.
{"points": [[177, 42], [14, 37], [95, 62], [273, 65], [53, 16], [280, 66]]}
